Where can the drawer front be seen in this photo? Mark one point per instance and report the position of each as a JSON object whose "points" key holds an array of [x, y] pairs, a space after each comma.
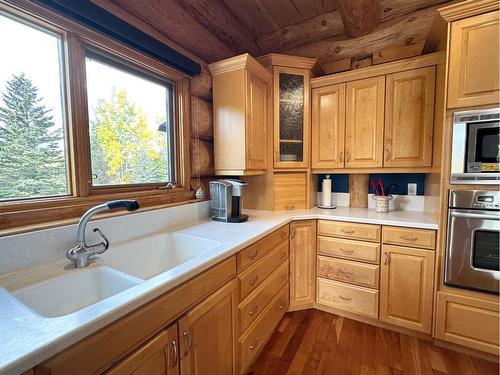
{"points": [[261, 330], [255, 275], [290, 190], [423, 238], [363, 232], [348, 271], [347, 297], [252, 307], [468, 321], [348, 249], [256, 251]]}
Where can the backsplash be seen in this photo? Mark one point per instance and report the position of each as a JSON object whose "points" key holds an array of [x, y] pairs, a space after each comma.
{"points": [[340, 182]]}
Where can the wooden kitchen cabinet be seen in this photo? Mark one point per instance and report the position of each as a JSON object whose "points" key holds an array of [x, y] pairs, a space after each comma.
{"points": [[409, 118], [406, 287], [302, 263], [159, 356], [365, 123], [473, 76], [207, 334], [241, 93], [328, 132]]}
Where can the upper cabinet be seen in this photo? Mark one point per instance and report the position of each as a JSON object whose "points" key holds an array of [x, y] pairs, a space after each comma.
{"points": [[409, 117], [473, 76], [365, 123], [328, 132], [241, 92], [385, 120], [291, 109]]}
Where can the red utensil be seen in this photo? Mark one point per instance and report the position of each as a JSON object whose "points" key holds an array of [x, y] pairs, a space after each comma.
{"points": [[374, 187], [382, 190]]}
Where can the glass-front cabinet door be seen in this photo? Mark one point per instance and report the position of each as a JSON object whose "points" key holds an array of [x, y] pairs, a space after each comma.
{"points": [[291, 117]]}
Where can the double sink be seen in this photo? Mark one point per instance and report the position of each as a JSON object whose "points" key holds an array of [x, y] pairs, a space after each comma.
{"points": [[122, 267]]}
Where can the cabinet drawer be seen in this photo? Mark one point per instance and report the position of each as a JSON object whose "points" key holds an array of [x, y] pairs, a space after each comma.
{"points": [[355, 299], [468, 321], [364, 232], [256, 251], [259, 332], [348, 271], [255, 275], [422, 238], [349, 249], [252, 307], [290, 190]]}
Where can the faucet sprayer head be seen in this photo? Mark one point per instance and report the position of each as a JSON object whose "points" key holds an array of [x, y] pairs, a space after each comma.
{"points": [[128, 204]]}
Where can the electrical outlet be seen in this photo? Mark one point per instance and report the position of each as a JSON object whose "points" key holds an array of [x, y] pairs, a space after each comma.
{"points": [[412, 189]]}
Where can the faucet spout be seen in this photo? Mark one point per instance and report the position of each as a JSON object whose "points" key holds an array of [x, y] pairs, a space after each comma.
{"points": [[82, 252]]}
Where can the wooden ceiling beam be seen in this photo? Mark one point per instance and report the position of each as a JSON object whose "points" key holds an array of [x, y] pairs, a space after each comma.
{"points": [[219, 21], [401, 31], [360, 17], [308, 31]]}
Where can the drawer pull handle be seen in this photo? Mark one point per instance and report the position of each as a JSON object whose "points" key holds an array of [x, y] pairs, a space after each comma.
{"points": [[283, 255], [347, 252], [350, 231], [345, 298], [253, 255], [253, 281], [254, 345], [386, 258], [406, 238], [292, 233], [187, 337], [282, 305], [176, 355], [283, 235], [254, 311], [289, 207], [282, 277]]}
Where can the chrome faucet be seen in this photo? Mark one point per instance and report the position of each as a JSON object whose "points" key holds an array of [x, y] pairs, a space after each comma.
{"points": [[81, 253]]}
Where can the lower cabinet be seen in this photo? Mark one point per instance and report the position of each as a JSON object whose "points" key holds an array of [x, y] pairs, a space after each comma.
{"points": [[302, 263], [159, 356], [207, 334], [406, 287]]}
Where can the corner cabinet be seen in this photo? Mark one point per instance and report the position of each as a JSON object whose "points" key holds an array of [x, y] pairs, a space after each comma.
{"points": [[241, 94], [473, 77]]}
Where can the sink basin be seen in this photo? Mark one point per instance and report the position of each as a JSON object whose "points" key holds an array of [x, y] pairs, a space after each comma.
{"points": [[73, 290], [149, 256]]}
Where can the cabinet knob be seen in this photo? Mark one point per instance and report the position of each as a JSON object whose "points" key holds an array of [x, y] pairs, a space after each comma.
{"points": [[253, 255], [254, 310], [254, 345], [254, 280]]}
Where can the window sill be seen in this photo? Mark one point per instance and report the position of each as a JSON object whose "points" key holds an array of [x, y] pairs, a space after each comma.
{"points": [[21, 217]]}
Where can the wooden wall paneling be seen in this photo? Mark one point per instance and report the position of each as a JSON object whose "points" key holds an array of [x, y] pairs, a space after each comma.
{"points": [[201, 86], [336, 66], [201, 119], [398, 53], [202, 158], [359, 17], [361, 62]]}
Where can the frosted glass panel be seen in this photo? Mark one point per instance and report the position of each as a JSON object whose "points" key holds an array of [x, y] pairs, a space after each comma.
{"points": [[291, 117]]}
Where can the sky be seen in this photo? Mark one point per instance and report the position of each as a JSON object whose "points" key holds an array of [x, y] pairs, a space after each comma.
{"points": [[36, 53]]}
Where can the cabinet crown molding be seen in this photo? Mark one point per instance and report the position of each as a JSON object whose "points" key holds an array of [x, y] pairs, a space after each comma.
{"points": [[467, 9], [290, 61], [244, 61]]}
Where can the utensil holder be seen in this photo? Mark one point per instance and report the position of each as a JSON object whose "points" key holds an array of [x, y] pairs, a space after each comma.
{"points": [[382, 203]]}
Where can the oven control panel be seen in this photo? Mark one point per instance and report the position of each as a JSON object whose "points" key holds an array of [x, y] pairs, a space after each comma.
{"points": [[475, 199]]}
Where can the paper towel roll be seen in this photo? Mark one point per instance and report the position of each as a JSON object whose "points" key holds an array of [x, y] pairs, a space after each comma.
{"points": [[326, 191]]}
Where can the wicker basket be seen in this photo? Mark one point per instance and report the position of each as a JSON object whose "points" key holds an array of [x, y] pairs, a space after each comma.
{"points": [[382, 203]]}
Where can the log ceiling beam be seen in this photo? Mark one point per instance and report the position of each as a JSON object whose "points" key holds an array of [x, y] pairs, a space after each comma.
{"points": [[360, 17]]}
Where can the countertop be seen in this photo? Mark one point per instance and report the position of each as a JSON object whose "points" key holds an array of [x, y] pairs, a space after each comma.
{"points": [[26, 339]]}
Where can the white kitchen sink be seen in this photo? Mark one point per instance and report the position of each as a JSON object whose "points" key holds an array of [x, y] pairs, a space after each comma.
{"points": [[149, 256], [73, 290]]}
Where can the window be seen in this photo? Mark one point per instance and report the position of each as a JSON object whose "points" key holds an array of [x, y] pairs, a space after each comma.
{"points": [[130, 124], [84, 119], [33, 158]]}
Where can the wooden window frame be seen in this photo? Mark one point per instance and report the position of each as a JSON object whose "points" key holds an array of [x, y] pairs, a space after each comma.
{"points": [[30, 214]]}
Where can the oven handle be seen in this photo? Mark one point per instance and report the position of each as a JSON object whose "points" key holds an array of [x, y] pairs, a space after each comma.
{"points": [[474, 216]]}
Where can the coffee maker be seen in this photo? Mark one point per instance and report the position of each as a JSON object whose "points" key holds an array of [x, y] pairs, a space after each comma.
{"points": [[225, 200]]}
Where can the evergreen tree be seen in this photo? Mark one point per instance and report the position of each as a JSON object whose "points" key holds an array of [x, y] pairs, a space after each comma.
{"points": [[31, 156]]}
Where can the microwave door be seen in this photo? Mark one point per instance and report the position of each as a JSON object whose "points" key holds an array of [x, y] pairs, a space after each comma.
{"points": [[483, 150]]}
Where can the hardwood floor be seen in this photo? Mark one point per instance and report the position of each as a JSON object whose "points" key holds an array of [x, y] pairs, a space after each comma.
{"points": [[315, 342]]}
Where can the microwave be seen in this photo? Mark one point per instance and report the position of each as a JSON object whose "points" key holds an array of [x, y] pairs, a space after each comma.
{"points": [[475, 154]]}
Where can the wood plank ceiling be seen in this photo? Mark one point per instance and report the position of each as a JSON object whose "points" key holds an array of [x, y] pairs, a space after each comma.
{"points": [[324, 29]]}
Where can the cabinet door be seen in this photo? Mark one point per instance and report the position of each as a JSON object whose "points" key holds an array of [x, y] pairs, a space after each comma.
{"points": [[328, 126], [473, 61], [409, 118], [256, 123], [302, 263], [406, 287], [159, 356], [365, 123], [291, 117], [207, 334]]}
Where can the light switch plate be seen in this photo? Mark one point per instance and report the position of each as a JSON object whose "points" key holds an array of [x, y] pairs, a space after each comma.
{"points": [[412, 189]]}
